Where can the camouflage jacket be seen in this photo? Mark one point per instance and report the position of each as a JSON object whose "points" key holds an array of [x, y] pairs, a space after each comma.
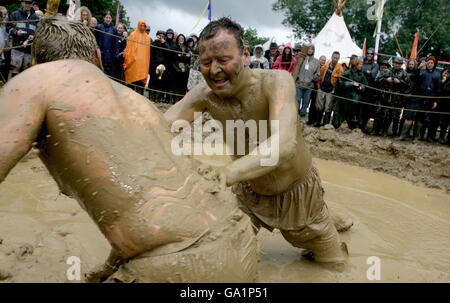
{"points": [[402, 87]]}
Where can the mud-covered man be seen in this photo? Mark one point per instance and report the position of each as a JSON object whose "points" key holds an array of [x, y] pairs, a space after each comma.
{"points": [[288, 195], [109, 148]]}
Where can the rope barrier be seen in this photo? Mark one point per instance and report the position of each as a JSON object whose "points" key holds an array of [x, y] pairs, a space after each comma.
{"points": [[143, 87], [377, 105], [400, 94]]}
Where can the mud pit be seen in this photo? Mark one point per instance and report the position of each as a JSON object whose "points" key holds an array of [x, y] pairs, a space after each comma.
{"points": [[406, 226]]}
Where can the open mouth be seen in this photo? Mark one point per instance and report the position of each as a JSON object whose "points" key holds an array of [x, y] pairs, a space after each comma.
{"points": [[219, 82]]}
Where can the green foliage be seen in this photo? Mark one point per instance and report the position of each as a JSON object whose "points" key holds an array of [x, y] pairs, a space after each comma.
{"points": [[251, 35], [97, 8], [401, 17]]}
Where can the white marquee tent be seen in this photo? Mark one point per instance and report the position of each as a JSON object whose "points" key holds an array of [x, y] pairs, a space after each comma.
{"points": [[335, 37]]}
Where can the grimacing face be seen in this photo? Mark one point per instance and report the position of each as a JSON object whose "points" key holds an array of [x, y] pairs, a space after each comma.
{"points": [[222, 63]]}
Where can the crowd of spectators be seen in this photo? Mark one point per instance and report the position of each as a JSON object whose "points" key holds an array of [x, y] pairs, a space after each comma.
{"points": [[401, 101]]}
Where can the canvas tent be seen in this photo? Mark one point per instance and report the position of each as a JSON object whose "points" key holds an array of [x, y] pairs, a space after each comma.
{"points": [[336, 37]]}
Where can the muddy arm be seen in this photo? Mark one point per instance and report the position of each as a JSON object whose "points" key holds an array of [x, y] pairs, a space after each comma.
{"points": [[282, 141], [22, 112], [102, 272], [186, 107]]}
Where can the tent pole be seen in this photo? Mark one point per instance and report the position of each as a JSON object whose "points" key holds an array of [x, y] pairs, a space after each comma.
{"points": [[380, 16]]}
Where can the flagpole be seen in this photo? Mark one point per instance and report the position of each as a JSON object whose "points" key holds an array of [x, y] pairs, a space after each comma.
{"points": [[380, 20]]}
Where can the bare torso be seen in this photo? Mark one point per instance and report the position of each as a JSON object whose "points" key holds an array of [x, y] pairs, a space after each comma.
{"points": [[255, 106], [109, 148]]}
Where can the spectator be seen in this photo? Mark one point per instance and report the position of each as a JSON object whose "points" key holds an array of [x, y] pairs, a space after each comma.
{"points": [[137, 58], [4, 68], [83, 14], [444, 106], [427, 83], [280, 49], [258, 61], [93, 24], [272, 54], [286, 61], [171, 43], [370, 70], [40, 14], [108, 43], [122, 42], [352, 85], [22, 35], [158, 78], [180, 62], [308, 76], [329, 75], [312, 107], [35, 6], [195, 76], [391, 80], [384, 65]]}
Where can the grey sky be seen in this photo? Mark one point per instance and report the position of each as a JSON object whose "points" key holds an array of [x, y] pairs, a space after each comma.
{"points": [[181, 15]]}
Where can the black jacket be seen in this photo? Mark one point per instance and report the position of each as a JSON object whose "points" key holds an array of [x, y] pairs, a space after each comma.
{"points": [[428, 83], [267, 56], [159, 55], [28, 27]]}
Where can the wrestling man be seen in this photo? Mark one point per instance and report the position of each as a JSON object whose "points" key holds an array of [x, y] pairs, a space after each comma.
{"points": [[288, 195], [109, 148]]}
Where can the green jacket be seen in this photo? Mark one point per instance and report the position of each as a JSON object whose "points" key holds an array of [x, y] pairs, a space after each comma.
{"points": [[402, 87], [346, 87]]}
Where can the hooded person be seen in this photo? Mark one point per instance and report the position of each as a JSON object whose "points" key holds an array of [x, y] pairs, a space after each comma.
{"points": [[137, 58], [308, 76], [258, 60], [286, 61]]}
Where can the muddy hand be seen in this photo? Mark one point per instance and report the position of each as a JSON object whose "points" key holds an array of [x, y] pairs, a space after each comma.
{"points": [[217, 178], [99, 273]]}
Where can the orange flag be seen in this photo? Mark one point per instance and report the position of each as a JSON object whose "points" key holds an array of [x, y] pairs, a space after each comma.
{"points": [[364, 48], [414, 47]]}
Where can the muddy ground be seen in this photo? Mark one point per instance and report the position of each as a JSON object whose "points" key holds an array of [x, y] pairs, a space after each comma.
{"points": [[405, 225]]}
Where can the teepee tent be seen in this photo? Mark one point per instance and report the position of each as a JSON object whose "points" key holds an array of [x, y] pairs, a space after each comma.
{"points": [[335, 36]]}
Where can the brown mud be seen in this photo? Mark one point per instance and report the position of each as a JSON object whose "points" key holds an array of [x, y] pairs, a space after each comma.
{"points": [[405, 225]]}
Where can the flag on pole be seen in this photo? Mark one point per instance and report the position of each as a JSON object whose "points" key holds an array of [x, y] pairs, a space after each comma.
{"points": [[209, 11], [364, 47], [414, 47], [118, 13], [380, 11]]}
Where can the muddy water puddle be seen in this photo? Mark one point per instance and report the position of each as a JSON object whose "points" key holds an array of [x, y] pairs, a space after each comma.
{"points": [[405, 226]]}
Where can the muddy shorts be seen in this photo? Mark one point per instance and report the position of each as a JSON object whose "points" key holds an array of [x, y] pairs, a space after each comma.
{"points": [[226, 255], [300, 213], [20, 59]]}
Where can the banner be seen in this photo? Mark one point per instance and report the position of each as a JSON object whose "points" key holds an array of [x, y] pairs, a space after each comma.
{"points": [[364, 48], [209, 9], [414, 47], [118, 13]]}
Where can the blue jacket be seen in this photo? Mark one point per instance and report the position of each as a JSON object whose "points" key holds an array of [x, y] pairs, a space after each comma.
{"points": [[109, 45], [28, 27]]}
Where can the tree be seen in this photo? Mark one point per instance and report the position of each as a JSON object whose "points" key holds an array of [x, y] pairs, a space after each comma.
{"points": [[251, 36], [97, 8], [401, 18]]}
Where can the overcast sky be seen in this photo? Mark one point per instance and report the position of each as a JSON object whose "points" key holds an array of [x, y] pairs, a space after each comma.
{"points": [[181, 15]]}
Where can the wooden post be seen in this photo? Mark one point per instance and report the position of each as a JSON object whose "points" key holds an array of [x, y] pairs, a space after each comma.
{"points": [[52, 8], [299, 64]]}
